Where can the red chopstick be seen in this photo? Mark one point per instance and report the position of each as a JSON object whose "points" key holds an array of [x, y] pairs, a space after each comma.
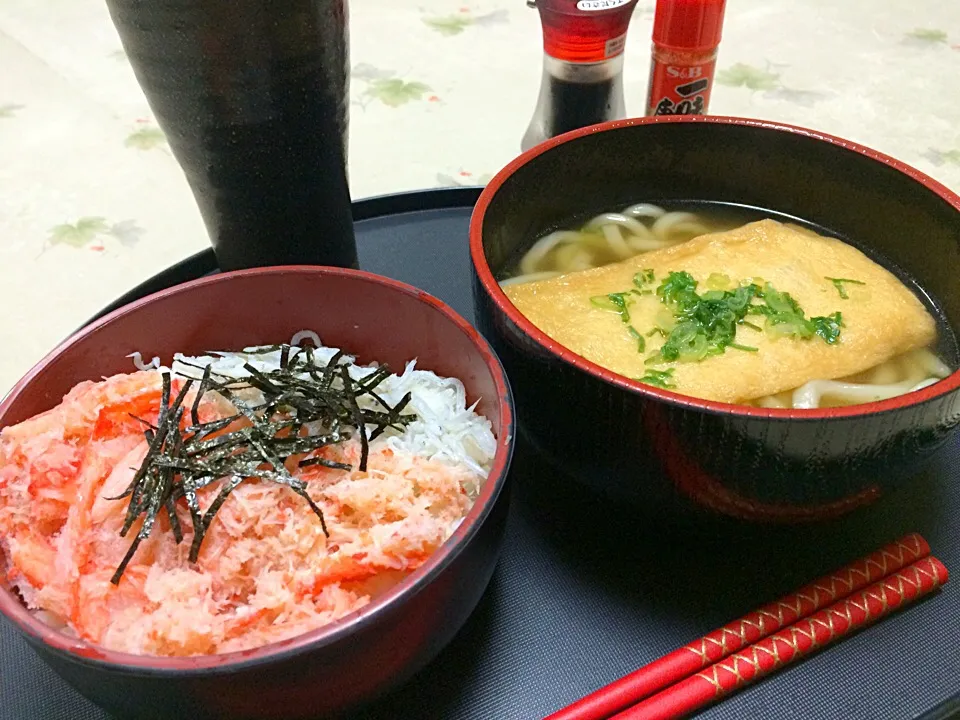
{"points": [[792, 643], [720, 643]]}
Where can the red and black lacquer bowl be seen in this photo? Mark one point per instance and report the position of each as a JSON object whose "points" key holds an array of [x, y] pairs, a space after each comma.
{"points": [[357, 658], [664, 451]]}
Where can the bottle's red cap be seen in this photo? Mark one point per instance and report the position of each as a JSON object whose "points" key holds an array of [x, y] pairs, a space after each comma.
{"points": [[688, 24], [585, 31]]}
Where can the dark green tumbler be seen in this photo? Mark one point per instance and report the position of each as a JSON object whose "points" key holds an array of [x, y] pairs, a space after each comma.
{"points": [[252, 96]]}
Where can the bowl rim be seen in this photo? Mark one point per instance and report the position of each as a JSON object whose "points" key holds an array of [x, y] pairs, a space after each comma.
{"points": [[405, 591], [493, 290]]}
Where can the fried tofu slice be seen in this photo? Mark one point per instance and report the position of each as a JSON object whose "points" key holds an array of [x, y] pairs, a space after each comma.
{"points": [[882, 318]]}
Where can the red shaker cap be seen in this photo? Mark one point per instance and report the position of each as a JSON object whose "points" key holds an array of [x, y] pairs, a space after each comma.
{"points": [[688, 24], [585, 31]]}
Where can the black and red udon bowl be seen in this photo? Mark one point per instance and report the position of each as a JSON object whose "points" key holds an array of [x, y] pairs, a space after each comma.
{"points": [[351, 661], [666, 452]]}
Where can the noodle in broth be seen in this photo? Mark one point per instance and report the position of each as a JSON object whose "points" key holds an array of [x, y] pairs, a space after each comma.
{"points": [[643, 227]]}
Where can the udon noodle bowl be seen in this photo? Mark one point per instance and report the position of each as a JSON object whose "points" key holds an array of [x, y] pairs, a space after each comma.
{"points": [[761, 313]]}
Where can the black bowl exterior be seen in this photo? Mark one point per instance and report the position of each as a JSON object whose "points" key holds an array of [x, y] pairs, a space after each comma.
{"points": [[662, 451], [316, 682]]}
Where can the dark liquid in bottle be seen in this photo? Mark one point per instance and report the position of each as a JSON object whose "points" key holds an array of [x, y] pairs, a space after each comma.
{"points": [[576, 105], [252, 96]]}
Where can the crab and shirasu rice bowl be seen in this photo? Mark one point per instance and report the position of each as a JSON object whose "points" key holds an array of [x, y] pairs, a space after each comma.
{"points": [[235, 499]]}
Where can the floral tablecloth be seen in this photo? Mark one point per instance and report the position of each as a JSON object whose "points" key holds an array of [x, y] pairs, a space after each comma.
{"points": [[92, 202]]}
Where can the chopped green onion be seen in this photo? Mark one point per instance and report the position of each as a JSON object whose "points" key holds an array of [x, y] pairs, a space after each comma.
{"points": [[659, 378], [828, 327], [614, 302], [718, 281], [838, 283], [695, 326], [644, 278]]}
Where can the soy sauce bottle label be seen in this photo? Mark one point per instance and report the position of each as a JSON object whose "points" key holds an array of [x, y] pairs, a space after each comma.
{"points": [[595, 5], [680, 89], [615, 46]]}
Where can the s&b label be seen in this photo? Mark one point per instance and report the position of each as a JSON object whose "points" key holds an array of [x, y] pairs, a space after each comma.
{"points": [[680, 89]]}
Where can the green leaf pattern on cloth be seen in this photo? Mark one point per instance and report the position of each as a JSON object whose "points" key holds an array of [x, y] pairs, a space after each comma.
{"points": [[386, 87], [454, 24], [90, 232], [927, 35], [768, 80], [80, 233], [9, 110], [146, 138], [396, 92], [450, 24], [742, 75], [943, 157]]}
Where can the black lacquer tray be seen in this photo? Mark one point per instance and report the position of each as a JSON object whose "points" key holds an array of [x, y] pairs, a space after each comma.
{"points": [[584, 593]]}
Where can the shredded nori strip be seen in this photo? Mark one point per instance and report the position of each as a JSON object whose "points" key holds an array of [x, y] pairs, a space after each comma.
{"points": [[326, 463], [195, 410], [256, 442]]}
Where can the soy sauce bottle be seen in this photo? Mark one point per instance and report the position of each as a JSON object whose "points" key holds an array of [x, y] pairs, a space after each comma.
{"points": [[252, 96], [582, 84]]}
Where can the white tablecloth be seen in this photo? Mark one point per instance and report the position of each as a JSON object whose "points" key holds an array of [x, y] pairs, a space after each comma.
{"points": [[92, 202]]}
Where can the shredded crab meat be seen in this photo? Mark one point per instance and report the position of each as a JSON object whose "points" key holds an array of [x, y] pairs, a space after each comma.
{"points": [[266, 571]]}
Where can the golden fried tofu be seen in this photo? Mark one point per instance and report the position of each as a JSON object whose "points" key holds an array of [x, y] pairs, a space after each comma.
{"points": [[881, 317]]}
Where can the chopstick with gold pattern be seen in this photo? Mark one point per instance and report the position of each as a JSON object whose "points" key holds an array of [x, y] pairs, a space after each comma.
{"points": [[792, 643], [755, 626]]}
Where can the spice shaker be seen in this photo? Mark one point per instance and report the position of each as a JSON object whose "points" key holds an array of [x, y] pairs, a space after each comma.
{"points": [[686, 36], [582, 84]]}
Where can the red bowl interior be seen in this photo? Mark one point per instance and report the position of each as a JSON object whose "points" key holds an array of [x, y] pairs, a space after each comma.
{"points": [[371, 317], [503, 304]]}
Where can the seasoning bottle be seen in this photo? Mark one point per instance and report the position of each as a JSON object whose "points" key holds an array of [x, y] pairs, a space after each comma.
{"points": [[582, 84], [686, 35]]}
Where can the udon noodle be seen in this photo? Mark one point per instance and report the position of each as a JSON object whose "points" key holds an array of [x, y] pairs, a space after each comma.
{"points": [[641, 228], [607, 238]]}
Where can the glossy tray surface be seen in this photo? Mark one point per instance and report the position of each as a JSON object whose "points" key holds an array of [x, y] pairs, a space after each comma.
{"points": [[582, 595]]}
